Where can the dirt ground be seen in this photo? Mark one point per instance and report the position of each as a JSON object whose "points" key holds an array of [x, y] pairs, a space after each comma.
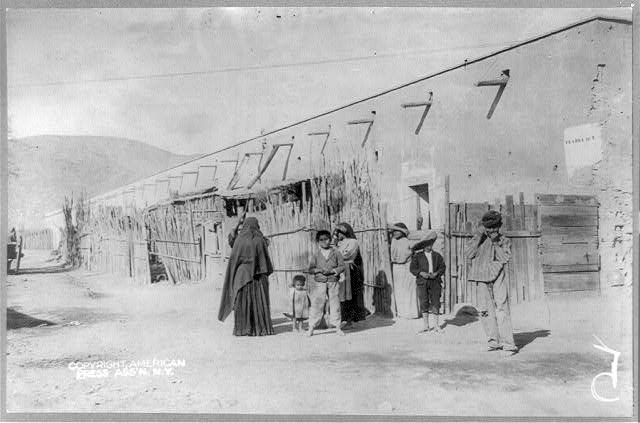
{"points": [[59, 318]]}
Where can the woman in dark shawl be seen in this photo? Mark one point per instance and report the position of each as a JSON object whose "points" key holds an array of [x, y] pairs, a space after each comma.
{"points": [[352, 307], [246, 283]]}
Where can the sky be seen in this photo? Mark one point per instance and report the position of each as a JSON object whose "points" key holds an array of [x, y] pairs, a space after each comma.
{"points": [[193, 81]]}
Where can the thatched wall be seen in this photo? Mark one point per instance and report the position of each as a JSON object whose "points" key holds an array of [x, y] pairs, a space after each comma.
{"points": [[115, 241]]}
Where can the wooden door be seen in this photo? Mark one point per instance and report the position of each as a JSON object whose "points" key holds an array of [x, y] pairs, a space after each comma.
{"points": [[570, 256]]}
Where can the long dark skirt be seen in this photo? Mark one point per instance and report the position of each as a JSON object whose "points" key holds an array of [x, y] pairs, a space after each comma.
{"points": [[353, 310], [252, 310]]}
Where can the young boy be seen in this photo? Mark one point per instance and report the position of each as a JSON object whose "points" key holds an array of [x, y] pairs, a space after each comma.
{"points": [[325, 265], [299, 303], [428, 267]]}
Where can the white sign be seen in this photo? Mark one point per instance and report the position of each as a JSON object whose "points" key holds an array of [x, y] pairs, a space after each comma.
{"points": [[582, 146]]}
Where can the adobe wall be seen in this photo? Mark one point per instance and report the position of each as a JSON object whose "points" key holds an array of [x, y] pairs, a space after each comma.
{"points": [[520, 149]]}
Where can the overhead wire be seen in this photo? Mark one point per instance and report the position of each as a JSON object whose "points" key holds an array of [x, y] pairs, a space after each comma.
{"points": [[232, 69], [424, 78]]}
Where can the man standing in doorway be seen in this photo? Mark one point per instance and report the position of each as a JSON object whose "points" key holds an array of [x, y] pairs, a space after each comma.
{"points": [[489, 251]]}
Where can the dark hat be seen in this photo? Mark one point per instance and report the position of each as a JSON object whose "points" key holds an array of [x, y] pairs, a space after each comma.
{"points": [[492, 219], [300, 278]]}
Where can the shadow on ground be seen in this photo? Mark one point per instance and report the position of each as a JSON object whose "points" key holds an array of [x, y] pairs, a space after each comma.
{"points": [[525, 338], [374, 321], [464, 316], [17, 320], [283, 325], [41, 270]]}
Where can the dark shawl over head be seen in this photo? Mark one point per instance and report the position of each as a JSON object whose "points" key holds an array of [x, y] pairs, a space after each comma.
{"points": [[249, 258], [346, 229]]}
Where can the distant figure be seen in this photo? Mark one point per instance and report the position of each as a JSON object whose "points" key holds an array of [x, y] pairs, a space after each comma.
{"points": [[13, 236], [404, 283], [299, 303], [352, 305], [325, 266], [428, 267], [246, 283], [489, 251]]}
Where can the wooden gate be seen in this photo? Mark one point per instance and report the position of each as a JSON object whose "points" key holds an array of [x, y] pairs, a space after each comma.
{"points": [[570, 260], [524, 271]]}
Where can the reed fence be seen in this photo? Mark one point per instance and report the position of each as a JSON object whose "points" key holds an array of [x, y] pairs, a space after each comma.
{"points": [[38, 239], [115, 242], [341, 190]]}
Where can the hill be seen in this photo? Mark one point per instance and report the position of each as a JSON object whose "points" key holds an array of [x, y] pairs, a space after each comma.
{"points": [[43, 169]]}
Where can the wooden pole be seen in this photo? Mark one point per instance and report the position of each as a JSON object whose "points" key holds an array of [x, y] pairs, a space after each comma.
{"points": [[131, 253], [447, 246], [203, 264], [386, 259], [19, 256], [272, 154], [418, 213], [526, 281], [511, 274], [286, 163], [523, 222]]}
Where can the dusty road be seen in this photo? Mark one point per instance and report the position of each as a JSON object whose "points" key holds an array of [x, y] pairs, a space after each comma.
{"points": [[382, 366]]}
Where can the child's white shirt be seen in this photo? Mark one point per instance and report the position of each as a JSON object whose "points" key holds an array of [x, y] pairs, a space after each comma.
{"points": [[429, 256]]}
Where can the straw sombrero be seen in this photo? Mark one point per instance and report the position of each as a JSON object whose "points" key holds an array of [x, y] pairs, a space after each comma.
{"points": [[420, 238], [400, 227]]}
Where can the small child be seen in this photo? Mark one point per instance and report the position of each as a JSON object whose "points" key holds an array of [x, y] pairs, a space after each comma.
{"points": [[299, 303], [428, 267], [325, 266]]}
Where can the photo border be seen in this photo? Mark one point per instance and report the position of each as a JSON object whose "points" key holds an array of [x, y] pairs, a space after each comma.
{"points": [[132, 416]]}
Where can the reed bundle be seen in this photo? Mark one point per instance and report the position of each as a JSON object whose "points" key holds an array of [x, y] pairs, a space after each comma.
{"points": [[173, 235], [291, 238], [115, 242], [350, 193], [41, 239]]}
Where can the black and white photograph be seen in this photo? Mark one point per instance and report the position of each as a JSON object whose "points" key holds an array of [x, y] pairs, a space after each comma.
{"points": [[332, 213]]}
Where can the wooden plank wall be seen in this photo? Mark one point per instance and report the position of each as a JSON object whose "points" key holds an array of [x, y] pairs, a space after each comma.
{"points": [[571, 259], [520, 225]]}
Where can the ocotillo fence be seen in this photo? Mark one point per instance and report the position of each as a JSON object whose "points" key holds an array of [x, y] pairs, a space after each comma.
{"points": [[38, 239], [345, 191], [116, 242], [176, 234]]}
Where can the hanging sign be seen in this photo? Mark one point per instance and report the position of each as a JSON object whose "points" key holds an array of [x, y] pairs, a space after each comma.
{"points": [[582, 146]]}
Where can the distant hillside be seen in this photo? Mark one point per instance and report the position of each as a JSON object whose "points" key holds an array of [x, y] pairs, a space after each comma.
{"points": [[43, 169]]}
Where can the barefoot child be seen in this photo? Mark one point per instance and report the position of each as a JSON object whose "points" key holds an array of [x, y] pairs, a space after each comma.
{"points": [[299, 303], [325, 266], [428, 267]]}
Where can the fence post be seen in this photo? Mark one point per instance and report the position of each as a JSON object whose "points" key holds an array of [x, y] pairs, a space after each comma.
{"points": [[447, 247], [203, 264], [131, 255], [19, 256]]}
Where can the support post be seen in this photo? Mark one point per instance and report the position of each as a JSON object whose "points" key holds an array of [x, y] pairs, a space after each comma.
{"points": [[419, 219], [203, 264], [447, 247]]}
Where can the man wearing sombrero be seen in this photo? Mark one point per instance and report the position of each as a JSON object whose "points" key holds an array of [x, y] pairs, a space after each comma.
{"points": [[489, 251]]}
